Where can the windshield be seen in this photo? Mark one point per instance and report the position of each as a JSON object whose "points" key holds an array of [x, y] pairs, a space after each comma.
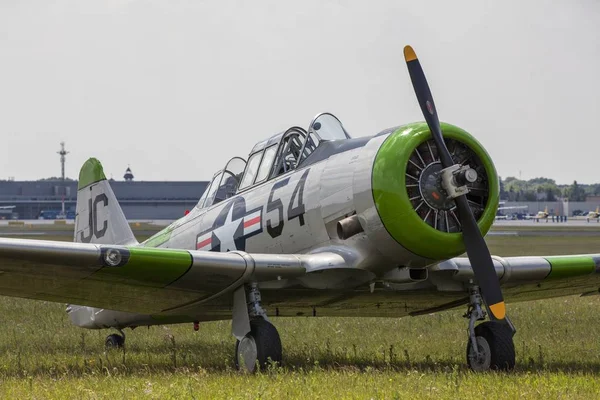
{"points": [[209, 194], [328, 127], [203, 197], [224, 183]]}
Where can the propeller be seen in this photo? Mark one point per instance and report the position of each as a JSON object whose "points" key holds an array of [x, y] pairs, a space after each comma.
{"points": [[453, 176]]}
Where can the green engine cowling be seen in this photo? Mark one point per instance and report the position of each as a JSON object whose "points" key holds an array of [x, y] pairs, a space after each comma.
{"points": [[408, 196]]}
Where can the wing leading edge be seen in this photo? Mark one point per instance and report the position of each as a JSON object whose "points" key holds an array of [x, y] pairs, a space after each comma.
{"points": [[139, 279], [527, 278], [147, 280]]}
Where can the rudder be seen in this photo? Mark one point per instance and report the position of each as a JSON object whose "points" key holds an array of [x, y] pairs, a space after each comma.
{"points": [[99, 218]]}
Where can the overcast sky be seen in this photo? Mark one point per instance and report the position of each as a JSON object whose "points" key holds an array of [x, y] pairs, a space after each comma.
{"points": [[176, 88]]}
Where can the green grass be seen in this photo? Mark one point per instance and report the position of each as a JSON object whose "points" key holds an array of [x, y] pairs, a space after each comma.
{"points": [[542, 245], [546, 226], [558, 354]]}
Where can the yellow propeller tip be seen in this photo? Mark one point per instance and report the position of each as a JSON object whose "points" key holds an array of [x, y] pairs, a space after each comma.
{"points": [[499, 310], [409, 54]]}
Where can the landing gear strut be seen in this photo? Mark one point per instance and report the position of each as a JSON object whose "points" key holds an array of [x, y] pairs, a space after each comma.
{"points": [[261, 345], [490, 344], [115, 341]]}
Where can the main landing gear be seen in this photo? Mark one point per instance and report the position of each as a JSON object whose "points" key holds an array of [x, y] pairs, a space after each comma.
{"points": [[258, 343], [115, 341], [490, 344]]}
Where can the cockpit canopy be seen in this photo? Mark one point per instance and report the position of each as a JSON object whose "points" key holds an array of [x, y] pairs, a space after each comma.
{"points": [[270, 158]]}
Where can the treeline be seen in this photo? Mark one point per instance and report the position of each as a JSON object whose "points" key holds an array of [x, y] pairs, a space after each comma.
{"points": [[544, 189]]}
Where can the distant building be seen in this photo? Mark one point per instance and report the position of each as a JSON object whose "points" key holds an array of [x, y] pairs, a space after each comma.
{"points": [[139, 200]]}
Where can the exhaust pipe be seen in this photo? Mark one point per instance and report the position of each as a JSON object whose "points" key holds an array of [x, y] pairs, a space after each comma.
{"points": [[349, 227]]}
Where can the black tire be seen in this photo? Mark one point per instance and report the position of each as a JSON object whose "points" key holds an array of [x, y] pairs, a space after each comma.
{"points": [[114, 341], [268, 345], [500, 339]]}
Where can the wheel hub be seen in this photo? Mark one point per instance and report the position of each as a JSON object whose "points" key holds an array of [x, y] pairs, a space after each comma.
{"points": [[247, 353], [480, 361], [430, 186]]}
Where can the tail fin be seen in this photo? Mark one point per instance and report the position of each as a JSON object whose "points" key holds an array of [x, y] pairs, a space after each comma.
{"points": [[99, 217]]}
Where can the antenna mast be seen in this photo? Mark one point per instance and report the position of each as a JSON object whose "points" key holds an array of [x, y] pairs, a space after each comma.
{"points": [[63, 158]]}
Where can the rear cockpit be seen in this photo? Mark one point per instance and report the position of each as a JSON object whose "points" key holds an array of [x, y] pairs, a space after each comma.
{"points": [[273, 157]]}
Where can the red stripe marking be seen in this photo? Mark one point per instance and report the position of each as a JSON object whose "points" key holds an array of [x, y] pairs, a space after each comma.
{"points": [[252, 221], [203, 243]]}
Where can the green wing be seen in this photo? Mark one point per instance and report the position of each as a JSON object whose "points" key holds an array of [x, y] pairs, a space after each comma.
{"points": [[155, 280], [136, 279], [528, 278]]}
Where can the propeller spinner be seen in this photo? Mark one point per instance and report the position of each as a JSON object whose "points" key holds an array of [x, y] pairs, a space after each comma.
{"points": [[454, 180]]}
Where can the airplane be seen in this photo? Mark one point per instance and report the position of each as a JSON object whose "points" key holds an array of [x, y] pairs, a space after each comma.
{"points": [[502, 207], [313, 223], [594, 215], [6, 211], [541, 215]]}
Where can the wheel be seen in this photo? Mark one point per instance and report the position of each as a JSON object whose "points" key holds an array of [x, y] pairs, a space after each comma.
{"points": [[479, 362], [259, 347], [114, 341], [496, 347]]}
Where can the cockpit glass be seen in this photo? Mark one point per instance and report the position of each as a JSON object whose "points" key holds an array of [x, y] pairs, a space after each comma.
{"points": [[270, 158], [203, 197], [311, 144], [328, 127], [227, 187], [236, 167], [224, 184], [324, 127], [289, 151], [251, 170], [266, 164], [211, 191]]}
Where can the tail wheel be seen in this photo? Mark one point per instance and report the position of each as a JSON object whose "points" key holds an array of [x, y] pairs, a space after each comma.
{"points": [[114, 341], [259, 347], [495, 343]]}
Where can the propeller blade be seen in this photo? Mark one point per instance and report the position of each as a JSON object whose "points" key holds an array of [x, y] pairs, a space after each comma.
{"points": [[481, 260], [477, 250], [425, 99]]}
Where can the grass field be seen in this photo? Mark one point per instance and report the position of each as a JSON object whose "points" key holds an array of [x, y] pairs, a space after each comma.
{"points": [[558, 353]]}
